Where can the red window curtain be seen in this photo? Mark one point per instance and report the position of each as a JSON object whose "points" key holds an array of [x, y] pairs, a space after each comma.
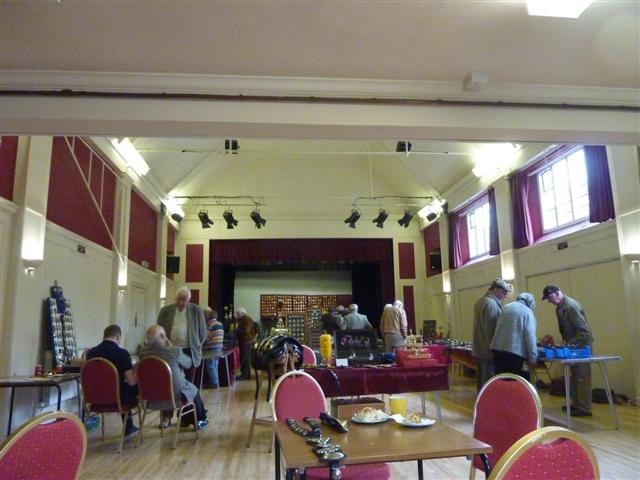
{"points": [[458, 241], [8, 157], [494, 239], [601, 206]]}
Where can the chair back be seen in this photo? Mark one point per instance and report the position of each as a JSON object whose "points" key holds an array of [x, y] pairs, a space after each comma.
{"points": [[155, 381], [552, 453], [507, 408], [297, 395], [308, 355], [50, 446], [100, 382]]}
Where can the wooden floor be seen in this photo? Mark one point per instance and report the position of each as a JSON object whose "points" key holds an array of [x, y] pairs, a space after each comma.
{"points": [[220, 452]]}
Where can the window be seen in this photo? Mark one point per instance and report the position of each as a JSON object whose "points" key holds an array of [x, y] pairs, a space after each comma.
{"points": [[564, 199], [478, 230]]}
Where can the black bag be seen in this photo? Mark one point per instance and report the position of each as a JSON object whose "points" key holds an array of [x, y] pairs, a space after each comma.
{"points": [[275, 347], [599, 395], [557, 387]]}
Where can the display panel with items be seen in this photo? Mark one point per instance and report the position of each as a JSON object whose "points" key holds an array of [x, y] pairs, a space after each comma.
{"points": [[60, 332], [359, 346]]}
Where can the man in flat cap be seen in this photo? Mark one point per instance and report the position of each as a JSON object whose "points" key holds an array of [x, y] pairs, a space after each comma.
{"points": [[575, 330], [485, 316]]}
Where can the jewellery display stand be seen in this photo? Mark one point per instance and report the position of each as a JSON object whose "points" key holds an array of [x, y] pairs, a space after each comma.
{"points": [[60, 331]]}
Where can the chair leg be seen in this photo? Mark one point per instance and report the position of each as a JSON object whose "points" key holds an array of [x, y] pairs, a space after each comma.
{"points": [[142, 418], [253, 421], [175, 438], [102, 425], [124, 426]]}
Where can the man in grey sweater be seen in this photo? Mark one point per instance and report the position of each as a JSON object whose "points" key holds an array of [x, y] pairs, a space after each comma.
{"points": [[514, 340], [485, 316]]}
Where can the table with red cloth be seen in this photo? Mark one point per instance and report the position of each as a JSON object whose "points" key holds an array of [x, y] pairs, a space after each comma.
{"points": [[346, 381]]}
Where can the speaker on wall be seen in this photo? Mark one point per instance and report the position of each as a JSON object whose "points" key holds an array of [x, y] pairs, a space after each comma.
{"points": [[173, 264]]}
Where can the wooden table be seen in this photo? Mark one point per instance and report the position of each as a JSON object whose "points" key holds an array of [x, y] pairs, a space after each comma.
{"points": [[379, 443], [567, 362], [46, 381]]}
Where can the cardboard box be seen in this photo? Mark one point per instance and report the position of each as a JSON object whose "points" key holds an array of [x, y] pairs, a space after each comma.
{"points": [[344, 408]]}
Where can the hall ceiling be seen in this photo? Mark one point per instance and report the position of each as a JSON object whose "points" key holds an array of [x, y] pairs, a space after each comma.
{"points": [[138, 46]]}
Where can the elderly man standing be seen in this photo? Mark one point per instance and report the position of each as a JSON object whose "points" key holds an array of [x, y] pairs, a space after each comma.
{"points": [[355, 320], [247, 333], [575, 330], [158, 345], [485, 316], [185, 325], [514, 340], [393, 326]]}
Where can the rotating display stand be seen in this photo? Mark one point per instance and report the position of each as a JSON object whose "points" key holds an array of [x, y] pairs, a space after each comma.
{"points": [[60, 331]]}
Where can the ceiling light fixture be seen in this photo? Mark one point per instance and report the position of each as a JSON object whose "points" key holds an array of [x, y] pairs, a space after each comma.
{"points": [[175, 210], [257, 218], [380, 219], [492, 158], [403, 146], [231, 146], [433, 210], [406, 219], [353, 218], [130, 155], [228, 217], [203, 215], [557, 8]]}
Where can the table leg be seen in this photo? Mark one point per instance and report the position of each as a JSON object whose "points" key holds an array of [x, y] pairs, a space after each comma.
{"points": [[420, 472], [13, 391], [80, 409], [226, 364], [422, 400], [567, 394], [438, 409], [277, 457], [59, 395], [612, 407]]}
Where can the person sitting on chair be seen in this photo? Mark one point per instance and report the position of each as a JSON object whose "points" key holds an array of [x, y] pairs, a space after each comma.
{"points": [[158, 345], [110, 350]]}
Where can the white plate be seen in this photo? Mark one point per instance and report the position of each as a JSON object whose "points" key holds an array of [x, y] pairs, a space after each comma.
{"points": [[425, 422], [381, 419]]}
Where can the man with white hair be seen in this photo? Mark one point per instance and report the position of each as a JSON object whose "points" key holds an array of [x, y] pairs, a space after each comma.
{"points": [[158, 344], [185, 325], [393, 326], [355, 320]]}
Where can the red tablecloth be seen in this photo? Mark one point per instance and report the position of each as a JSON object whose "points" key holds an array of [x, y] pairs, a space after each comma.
{"points": [[344, 381]]}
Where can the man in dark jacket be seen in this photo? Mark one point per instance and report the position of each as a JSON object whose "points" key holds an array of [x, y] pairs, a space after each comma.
{"points": [[575, 330], [110, 350]]}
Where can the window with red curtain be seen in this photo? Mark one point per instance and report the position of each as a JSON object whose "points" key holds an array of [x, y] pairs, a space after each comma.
{"points": [[568, 187], [473, 230], [143, 227], [431, 236]]}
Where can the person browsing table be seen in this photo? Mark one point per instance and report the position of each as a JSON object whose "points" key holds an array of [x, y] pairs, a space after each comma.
{"points": [[214, 343]]}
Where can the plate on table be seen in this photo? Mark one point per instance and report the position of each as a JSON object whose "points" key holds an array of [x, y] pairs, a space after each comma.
{"points": [[415, 420], [369, 415]]}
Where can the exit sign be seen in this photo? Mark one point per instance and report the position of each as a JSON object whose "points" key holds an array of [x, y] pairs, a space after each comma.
{"points": [[563, 245]]}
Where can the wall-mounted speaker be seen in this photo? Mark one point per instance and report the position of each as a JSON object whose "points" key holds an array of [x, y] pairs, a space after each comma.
{"points": [[173, 264], [435, 261]]}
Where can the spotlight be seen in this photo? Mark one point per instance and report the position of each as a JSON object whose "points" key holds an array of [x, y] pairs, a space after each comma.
{"points": [[203, 215], [431, 216], [228, 217], [257, 218], [406, 219], [353, 218], [382, 216], [231, 146], [177, 217], [403, 146]]}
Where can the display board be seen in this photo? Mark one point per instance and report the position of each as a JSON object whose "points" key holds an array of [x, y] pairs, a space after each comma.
{"points": [[356, 345], [429, 330], [296, 326]]}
